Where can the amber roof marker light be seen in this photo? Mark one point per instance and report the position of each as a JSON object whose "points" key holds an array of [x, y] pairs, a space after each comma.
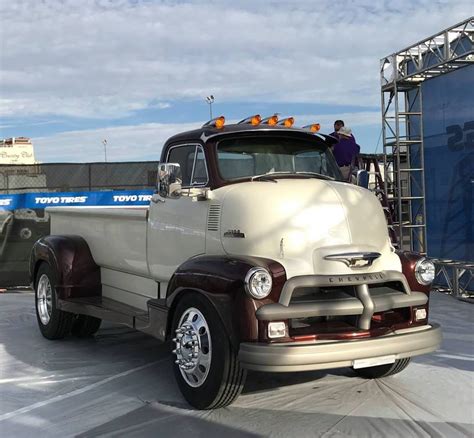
{"points": [[271, 121], [287, 123], [252, 120], [315, 127], [218, 123]]}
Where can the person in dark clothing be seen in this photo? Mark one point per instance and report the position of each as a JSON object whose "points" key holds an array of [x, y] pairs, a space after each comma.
{"points": [[338, 124], [345, 151]]}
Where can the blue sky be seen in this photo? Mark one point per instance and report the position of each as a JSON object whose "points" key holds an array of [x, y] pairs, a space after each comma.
{"points": [[135, 72]]}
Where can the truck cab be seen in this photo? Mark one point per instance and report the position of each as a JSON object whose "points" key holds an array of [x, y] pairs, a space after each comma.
{"points": [[252, 255]]}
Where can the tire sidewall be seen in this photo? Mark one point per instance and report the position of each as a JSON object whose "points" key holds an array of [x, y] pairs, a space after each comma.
{"points": [[203, 396], [48, 330]]}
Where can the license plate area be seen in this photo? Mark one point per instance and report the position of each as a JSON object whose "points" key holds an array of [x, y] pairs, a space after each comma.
{"points": [[373, 361]]}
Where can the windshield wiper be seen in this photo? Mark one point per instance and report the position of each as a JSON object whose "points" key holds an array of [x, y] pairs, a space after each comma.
{"points": [[315, 175], [264, 177], [272, 175]]}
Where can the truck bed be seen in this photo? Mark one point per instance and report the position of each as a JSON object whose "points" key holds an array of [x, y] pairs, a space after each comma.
{"points": [[115, 235]]}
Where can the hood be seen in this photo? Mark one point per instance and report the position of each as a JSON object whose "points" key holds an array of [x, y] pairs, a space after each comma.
{"points": [[298, 222]]}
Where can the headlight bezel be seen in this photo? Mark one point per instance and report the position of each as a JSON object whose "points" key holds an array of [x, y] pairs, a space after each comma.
{"points": [[418, 273], [249, 287]]}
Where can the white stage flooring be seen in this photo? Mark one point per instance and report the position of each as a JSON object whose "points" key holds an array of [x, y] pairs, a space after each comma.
{"points": [[120, 383]]}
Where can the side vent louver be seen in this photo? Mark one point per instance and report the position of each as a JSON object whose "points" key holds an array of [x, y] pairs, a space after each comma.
{"points": [[214, 217]]}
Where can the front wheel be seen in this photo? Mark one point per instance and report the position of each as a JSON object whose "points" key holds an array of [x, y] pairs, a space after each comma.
{"points": [[206, 366], [380, 371]]}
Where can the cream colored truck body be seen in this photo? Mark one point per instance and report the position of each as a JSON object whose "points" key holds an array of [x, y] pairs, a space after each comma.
{"points": [[252, 255], [296, 222]]}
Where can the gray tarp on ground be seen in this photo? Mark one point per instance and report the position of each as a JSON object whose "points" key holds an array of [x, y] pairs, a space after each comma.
{"points": [[120, 383]]}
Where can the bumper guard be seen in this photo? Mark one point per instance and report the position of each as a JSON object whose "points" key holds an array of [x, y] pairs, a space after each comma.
{"points": [[296, 356]]}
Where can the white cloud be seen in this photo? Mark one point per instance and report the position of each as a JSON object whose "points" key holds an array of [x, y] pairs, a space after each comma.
{"points": [[362, 118], [145, 141], [107, 58], [124, 143]]}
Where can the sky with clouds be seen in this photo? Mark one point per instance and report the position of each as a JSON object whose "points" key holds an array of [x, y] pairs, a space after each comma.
{"points": [[73, 72]]}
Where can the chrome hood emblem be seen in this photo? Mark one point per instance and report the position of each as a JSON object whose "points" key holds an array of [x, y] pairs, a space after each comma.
{"points": [[355, 259]]}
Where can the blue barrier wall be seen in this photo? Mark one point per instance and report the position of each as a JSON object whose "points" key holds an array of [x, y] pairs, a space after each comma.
{"points": [[23, 220], [67, 199], [448, 119]]}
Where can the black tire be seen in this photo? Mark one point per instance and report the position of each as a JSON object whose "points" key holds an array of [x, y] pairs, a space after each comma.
{"points": [[383, 370], [225, 379], [59, 324], [85, 326]]}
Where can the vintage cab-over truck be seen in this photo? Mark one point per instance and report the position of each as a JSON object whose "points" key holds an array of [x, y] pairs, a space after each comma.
{"points": [[252, 255]]}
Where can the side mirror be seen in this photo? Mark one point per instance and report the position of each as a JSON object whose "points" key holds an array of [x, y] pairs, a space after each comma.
{"points": [[363, 179], [169, 180]]}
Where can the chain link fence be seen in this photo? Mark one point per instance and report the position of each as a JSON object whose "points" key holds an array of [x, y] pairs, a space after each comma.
{"points": [[21, 227], [77, 177]]}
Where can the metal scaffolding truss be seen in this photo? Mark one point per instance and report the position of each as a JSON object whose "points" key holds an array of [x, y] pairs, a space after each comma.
{"points": [[401, 75], [455, 277], [441, 53]]}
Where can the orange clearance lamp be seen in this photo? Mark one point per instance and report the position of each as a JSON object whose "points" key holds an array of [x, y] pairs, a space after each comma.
{"points": [[271, 121], [287, 123], [315, 127], [218, 122], [252, 120]]}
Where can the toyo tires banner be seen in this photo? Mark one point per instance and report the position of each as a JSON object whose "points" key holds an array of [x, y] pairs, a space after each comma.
{"points": [[23, 220], [48, 199]]}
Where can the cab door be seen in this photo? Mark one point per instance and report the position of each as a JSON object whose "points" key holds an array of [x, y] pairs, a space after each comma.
{"points": [[177, 227]]}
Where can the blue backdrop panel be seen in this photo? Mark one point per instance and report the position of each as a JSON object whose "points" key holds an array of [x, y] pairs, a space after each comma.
{"points": [[448, 118], [68, 199], [23, 220]]}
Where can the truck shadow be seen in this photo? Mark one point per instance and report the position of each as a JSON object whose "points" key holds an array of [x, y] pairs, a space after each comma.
{"points": [[262, 382], [159, 420]]}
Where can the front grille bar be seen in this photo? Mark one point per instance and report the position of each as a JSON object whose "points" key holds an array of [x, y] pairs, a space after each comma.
{"points": [[339, 280], [363, 304], [362, 291]]}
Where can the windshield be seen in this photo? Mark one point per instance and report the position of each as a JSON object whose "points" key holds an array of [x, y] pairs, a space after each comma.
{"points": [[250, 157]]}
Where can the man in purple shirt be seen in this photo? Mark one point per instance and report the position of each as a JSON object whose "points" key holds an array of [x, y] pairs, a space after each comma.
{"points": [[338, 124], [345, 151]]}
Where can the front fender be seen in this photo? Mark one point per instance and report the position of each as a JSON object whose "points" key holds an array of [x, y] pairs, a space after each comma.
{"points": [[69, 256], [408, 260], [221, 280]]}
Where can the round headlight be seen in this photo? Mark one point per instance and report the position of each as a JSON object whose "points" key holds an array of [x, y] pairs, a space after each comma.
{"points": [[258, 283], [425, 271]]}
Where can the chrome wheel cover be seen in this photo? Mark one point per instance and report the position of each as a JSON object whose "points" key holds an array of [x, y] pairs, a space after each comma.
{"points": [[193, 347], [44, 299]]}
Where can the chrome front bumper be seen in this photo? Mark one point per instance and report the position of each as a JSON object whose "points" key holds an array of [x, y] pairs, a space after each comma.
{"points": [[299, 356]]}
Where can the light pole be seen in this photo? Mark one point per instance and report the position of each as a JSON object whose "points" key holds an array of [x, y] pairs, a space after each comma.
{"points": [[210, 101], [104, 142]]}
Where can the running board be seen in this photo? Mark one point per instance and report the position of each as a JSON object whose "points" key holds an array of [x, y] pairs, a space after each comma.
{"points": [[153, 322]]}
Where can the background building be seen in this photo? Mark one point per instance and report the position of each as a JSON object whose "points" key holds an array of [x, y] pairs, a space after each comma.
{"points": [[17, 150]]}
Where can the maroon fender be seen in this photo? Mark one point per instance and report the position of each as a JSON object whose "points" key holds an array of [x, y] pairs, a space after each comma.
{"points": [[222, 280], [70, 257], [409, 260]]}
